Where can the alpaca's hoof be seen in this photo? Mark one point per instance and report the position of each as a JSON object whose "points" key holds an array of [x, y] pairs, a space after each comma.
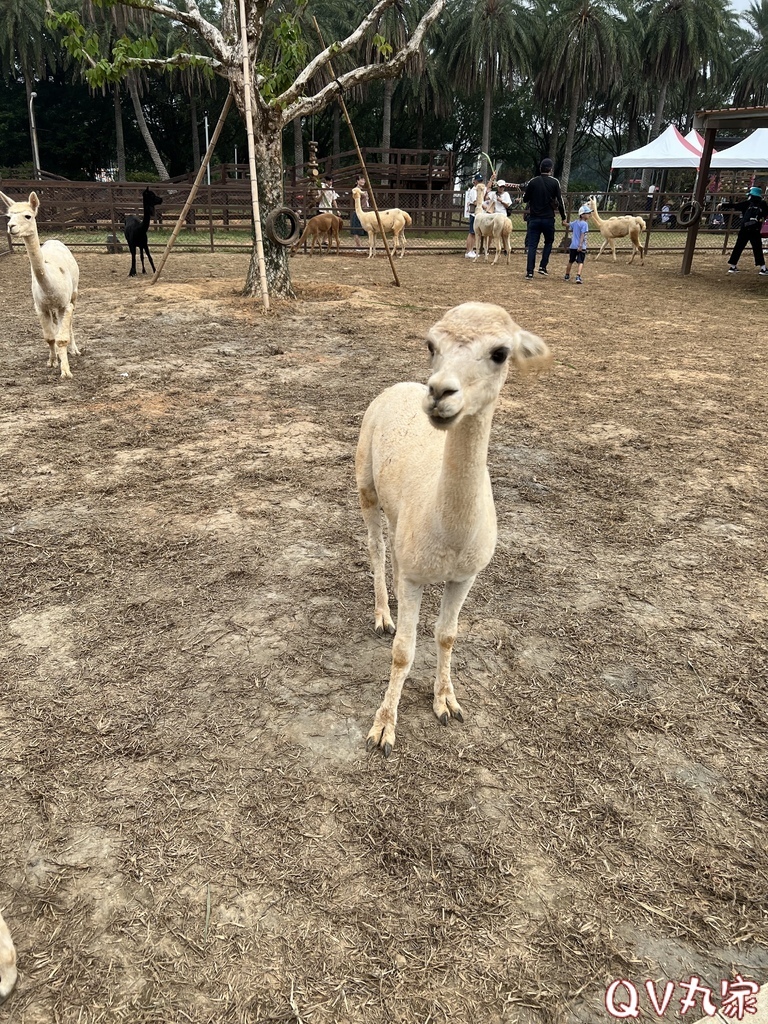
{"points": [[446, 708], [382, 733]]}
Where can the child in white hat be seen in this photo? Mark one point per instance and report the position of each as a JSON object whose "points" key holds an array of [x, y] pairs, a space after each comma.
{"points": [[577, 252]]}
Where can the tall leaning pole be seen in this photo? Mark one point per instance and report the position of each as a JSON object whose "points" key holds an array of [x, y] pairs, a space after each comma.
{"points": [[252, 160]]}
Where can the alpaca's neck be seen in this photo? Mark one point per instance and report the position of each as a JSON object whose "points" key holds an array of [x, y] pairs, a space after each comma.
{"points": [[461, 490], [358, 207], [147, 215], [35, 253]]}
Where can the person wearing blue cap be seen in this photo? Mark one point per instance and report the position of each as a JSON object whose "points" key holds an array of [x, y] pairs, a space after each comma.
{"points": [[754, 210]]}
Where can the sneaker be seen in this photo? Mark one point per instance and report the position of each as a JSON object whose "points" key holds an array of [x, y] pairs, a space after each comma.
{"points": [[567, 277], [763, 272], [732, 270], [529, 277], [579, 281], [470, 255], [544, 272]]}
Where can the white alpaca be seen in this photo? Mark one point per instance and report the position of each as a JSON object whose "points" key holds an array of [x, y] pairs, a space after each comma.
{"points": [[491, 227], [619, 227], [394, 220], [7, 961], [55, 280], [421, 459]]}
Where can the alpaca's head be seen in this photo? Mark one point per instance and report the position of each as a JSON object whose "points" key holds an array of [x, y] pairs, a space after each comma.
{"points": [[471, 349], [150, 200], [22, 216]]}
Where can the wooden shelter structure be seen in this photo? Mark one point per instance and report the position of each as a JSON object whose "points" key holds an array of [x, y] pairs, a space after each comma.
{"points": [[709, 122]]}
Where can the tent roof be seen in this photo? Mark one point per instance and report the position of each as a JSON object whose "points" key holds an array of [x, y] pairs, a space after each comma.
{"points": [[749, 154], [696, 140], [670, 149]]}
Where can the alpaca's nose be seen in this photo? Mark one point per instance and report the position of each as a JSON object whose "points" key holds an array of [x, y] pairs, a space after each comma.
{"points": [[439, 389]]}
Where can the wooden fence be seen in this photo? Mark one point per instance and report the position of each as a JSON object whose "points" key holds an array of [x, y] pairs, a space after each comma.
{"points": [[86, 214]]}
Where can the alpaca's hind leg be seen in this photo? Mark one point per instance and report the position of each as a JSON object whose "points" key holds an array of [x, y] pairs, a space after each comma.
{"points": [[63, 339], [132, 271], [369, 503], [445, 704], [72, 348], [149, 257], [382, 732]]}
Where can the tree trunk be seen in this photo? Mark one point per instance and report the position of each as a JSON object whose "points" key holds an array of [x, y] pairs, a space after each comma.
{"points": [[386, 126], [569, 140], [28, 89], [196, 157], [298, 147], [119, 135], [336, 136], [420, 130], [554, 138], [657, 118], [487, 104], [151, 147], [269, 174]]}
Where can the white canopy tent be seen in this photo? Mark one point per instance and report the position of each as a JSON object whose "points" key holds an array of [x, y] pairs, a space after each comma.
{"points": [[670, 150], [749, 155], [696, 140]]}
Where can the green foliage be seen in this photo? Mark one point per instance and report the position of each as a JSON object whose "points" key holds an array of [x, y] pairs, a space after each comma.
{"points": [[290, 53], [384, 48]]}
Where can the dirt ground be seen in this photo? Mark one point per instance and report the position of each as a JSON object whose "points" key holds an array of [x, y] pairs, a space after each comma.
{"points": [[191, 829]]}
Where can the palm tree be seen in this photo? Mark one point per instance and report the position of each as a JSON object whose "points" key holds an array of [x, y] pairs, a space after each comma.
{"points": [[583, 47], [487, 41], [25, 45], [752, 67], [684, 38]]}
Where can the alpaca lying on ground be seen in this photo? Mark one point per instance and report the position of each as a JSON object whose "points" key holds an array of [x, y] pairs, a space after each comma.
{"points": [[7, 961], [394, 220], [619, 227], [323, 227], [55, 280], [491, 227], [136, 232], [421, 460]]}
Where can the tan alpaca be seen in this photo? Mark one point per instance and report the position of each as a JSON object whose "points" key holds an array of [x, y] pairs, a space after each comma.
{"points": [[491, 227], [421, 460], [614, 228], [323, 227], [55, 280], [394, 220], [7, 961]]}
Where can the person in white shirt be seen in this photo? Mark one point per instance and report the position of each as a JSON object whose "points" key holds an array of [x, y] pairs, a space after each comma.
{"points": [[328, 198], [470, 201], [498, 199]]}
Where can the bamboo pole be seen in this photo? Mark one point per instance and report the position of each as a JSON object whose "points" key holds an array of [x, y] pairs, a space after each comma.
{"points": [[252, 160], [372, 197], [195, 187]]}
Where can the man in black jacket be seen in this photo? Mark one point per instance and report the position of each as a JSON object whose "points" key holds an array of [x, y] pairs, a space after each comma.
{"points": [[754, 211], [543, 195]]}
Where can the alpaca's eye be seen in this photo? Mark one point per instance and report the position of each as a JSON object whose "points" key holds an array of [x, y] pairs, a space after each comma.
{"points": [[431, 348], [28, 216], [499, 355]]}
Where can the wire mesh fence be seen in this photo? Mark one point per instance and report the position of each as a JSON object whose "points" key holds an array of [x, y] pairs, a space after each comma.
{"points": [[90, 215]]}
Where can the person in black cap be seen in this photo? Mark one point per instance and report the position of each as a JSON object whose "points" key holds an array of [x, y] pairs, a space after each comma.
{"points": [[543, 195], [470, 202]]}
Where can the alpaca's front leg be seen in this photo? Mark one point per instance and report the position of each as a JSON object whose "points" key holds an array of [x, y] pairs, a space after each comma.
{"points": [[48, 324], [63, 339], [445, 704], [382, 732]]}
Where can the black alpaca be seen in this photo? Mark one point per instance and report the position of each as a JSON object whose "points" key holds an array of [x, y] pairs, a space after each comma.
{"points": [[136, 232]]}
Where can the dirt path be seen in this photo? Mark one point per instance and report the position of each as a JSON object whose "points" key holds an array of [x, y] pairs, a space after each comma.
{"points": [[191, 829]]}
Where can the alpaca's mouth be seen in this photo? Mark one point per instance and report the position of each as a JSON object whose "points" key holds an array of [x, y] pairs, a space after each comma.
{"points": [[442, 421]]}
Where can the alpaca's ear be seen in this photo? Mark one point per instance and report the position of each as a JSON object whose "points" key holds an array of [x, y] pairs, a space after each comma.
{"points": [[530, 352], [34, 202], [6, 199]]}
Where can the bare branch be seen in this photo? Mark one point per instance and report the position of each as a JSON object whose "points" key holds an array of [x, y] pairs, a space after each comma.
{"points": [[192, 18], [331, 51], [368, 73]]}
